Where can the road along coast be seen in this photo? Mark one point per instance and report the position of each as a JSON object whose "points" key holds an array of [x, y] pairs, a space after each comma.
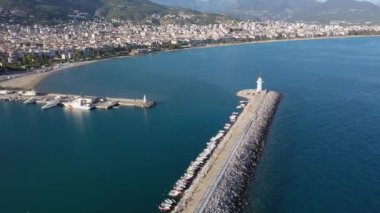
{"points": [[216, 181]]}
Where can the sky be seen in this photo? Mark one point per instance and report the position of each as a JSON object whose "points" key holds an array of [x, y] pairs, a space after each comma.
{"points": [[373, 1]]}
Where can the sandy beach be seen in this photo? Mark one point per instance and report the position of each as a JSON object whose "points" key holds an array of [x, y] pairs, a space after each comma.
{"points": [[31, 81]]}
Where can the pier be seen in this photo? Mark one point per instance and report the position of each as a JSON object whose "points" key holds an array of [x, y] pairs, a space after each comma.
{"points": [[217, 180], [31, 96]]}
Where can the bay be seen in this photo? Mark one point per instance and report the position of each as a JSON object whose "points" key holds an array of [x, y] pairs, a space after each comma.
{"points": [[321, 154]]}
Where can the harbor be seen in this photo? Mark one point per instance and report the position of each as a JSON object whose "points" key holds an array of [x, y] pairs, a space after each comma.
{"points": [[217, 178], [83, 102]]}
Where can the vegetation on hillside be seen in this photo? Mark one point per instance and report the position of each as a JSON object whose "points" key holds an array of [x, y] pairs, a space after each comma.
{"points": [[55, 11]]}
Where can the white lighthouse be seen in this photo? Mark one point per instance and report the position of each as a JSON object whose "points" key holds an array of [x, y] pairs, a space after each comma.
{"points": [[259, 84]]}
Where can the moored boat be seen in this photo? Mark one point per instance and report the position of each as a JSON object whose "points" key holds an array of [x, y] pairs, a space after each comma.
{"points": [[31, 100], [79, 103], [50, 104], [175, 193]]}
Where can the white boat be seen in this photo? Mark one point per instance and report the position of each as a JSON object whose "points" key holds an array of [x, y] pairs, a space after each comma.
{"points": [[30, 100], [175, 193], [79, 103], [170, 201], [164, 207], [233, 118], [50, 104]]}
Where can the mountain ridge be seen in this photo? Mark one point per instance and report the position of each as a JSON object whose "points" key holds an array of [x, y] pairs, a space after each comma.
{"points": [[53, 11], [287, 10]]}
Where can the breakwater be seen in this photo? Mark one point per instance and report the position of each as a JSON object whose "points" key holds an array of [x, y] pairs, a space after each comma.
{"points": [[230, 189], [218, 177]]}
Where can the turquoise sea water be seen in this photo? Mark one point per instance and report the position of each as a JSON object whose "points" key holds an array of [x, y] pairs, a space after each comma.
{"points": [[321, 155]]}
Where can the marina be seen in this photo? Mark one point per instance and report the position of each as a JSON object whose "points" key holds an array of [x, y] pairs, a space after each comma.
{"points": [[82, 102], [196, 189]]}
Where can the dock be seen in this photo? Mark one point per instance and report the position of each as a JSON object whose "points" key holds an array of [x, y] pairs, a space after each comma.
{"points": [[96, 102]]}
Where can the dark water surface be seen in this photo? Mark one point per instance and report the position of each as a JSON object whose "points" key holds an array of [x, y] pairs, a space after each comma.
{"points": [[322, 153]]}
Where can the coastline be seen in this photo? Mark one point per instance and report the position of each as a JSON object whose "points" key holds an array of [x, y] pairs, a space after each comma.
{"points": [[31, 80], [275, 41]]}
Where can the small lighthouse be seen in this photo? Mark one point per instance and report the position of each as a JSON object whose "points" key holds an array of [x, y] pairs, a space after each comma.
{"points": [[259, 84], [144, 99]]}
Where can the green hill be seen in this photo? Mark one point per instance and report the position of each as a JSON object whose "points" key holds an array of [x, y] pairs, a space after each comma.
{"points": [[322, 11], [52, 11]]}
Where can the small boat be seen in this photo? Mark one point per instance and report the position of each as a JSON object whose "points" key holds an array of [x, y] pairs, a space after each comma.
{"points": [[164, 207], [233, 118], [239, 107], [50, 104], [30, 101], [170, 201], [175, 193]]}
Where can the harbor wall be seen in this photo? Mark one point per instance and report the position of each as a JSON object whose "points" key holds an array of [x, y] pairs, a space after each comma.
{"points": [[230, 190]]}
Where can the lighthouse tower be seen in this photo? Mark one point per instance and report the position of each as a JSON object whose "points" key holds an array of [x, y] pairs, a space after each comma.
{"points": [[259, 84]]}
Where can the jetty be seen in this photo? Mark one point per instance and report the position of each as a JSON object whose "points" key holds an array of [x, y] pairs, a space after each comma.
{"points": [[220, 178], [31, 97]]}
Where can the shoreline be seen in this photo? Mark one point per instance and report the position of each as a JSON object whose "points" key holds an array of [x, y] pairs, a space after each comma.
{"points": [[32, 79]]}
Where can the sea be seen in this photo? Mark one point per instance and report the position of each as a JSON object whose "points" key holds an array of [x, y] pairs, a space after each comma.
{"points": [[322, 152]]}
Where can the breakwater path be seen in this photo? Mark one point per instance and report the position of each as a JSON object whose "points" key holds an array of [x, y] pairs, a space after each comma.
{"points": [[221, 183]]}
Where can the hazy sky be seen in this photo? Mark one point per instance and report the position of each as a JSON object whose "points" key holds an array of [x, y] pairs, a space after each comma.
{"points": [[373, 1]]}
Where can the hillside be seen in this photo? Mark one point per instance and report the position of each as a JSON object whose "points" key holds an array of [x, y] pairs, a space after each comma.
{"points": [[53, 11], [287, 10]]}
